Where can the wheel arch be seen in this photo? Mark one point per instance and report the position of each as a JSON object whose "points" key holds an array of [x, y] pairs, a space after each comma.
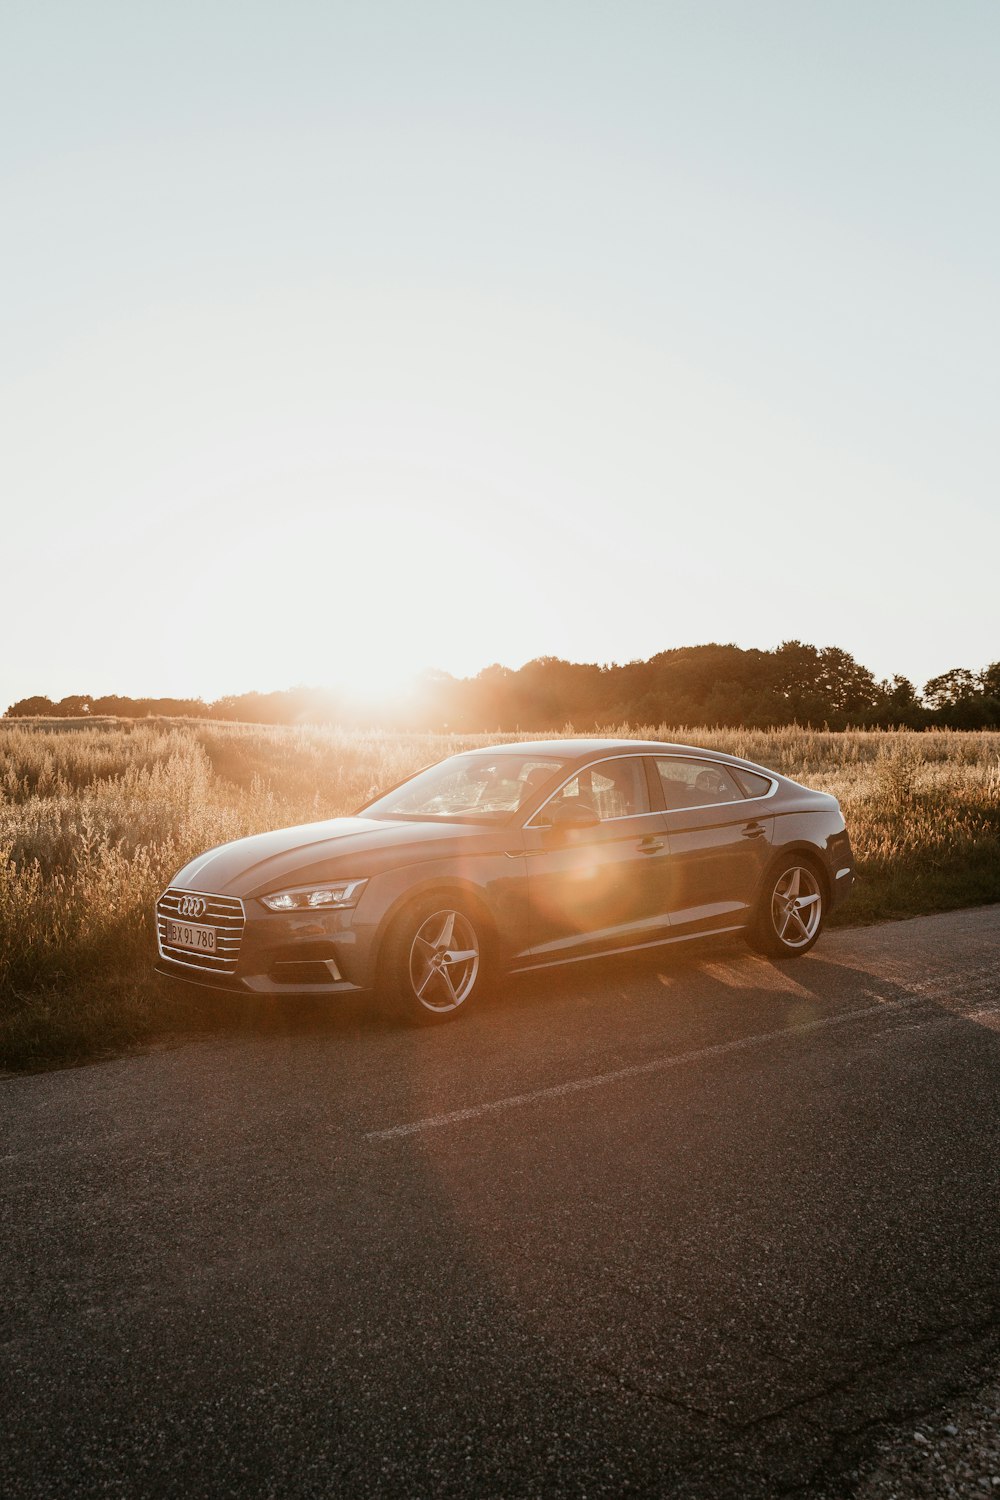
{"points": [[448, 887]]}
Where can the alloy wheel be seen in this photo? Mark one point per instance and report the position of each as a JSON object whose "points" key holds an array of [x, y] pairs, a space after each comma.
{"points": [[444, 960], [796, 907]]}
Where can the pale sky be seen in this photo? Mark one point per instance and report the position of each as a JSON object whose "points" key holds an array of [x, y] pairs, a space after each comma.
{"points": [[343, 340]]}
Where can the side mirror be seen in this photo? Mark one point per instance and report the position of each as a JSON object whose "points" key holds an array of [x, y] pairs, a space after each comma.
{"points": [[573, 816]]}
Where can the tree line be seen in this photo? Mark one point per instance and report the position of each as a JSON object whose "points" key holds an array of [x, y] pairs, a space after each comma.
{"points": [[713, 684]]}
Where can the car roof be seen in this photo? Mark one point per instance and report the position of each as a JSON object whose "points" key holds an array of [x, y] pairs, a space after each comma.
{"points": [[584, 748]]}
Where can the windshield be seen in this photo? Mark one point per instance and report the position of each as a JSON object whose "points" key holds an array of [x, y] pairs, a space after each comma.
{"points": [[469, 787]]}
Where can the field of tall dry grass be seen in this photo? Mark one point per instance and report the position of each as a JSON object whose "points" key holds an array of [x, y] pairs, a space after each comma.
{"points": [[94, 820]]}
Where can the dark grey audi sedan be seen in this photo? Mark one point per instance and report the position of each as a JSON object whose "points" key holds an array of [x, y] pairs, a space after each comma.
{"points": [[512, 858]]}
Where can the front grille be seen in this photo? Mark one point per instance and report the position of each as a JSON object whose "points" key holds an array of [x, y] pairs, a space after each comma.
{"points": [[224, 913]]}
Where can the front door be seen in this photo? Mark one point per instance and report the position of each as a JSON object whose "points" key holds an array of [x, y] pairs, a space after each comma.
{"points": [[601, 887]]}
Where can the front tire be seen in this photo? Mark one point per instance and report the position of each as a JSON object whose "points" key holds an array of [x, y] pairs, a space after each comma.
{"points": [[435, 961], [790, 910]]}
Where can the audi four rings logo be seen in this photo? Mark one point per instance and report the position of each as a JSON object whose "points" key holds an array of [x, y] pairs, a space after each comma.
{"points": [[193, 906]]}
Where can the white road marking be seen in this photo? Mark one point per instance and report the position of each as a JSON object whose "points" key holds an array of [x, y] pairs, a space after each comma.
{"points": [[919, 993]]}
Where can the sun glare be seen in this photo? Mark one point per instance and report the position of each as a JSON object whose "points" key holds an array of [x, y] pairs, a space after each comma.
{"points": [[370, 679]]}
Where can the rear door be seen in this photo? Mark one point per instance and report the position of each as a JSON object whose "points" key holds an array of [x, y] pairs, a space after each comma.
{"points": [[719, 840]]}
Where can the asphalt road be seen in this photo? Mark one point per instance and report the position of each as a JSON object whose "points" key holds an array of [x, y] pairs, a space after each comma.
{"points": [[690, 1226]]}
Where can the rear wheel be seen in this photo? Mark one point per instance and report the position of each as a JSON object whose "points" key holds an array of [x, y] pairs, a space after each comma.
{"points": [[435, 962], [790, 910]]}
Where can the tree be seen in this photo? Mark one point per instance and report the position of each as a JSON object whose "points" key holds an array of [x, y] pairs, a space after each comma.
{"points": [[31, 708], [952, 688], [849, 688], [958, 699], [899, 703]]}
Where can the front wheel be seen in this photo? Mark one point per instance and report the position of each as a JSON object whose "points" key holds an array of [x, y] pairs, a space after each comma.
{"points": [[435, 963], [790, 911]]}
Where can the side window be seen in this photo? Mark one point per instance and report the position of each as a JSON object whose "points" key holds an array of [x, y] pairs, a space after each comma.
{"points": [[533, 776], [752, 784], [696, 783], [613, 788]]}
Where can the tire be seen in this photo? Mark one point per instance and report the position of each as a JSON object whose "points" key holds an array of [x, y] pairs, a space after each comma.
{"points": [[436, 961], [790, 909]]}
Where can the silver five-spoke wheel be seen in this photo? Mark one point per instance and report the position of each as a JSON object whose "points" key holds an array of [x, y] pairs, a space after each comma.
{"points": [[796, 907], [444, 960], [789, 911]]}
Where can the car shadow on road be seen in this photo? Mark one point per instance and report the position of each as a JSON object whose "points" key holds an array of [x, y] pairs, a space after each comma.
{"points": [[715, 970], [203, 1012]]}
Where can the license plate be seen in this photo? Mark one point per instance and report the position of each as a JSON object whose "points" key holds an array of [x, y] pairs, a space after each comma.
{"points": [[187, 935]]}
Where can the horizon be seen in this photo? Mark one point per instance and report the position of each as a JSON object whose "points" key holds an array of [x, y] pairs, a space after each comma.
{"points": [[352, 344], [419, 689], [378, 693]]}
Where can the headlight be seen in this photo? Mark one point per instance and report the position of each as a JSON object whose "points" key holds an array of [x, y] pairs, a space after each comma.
{"points": [[333, 893]]}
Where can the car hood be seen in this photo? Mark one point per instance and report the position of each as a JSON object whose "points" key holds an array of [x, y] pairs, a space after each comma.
{"points": [[346, 846]]}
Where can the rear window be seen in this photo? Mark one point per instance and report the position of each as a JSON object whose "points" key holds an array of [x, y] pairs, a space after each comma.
{"points": [[753, 784]]}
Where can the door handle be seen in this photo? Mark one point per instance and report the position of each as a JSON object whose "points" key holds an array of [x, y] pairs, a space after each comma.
{"points": [[650, 845], [754, 831]]}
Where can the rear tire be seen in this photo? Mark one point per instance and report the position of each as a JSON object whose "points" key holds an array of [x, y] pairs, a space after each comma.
{"points": [[435, 961], [788, 917]]}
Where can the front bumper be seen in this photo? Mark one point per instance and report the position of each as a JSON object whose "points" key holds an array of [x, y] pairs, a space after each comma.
{"points": [[283, 953]]}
